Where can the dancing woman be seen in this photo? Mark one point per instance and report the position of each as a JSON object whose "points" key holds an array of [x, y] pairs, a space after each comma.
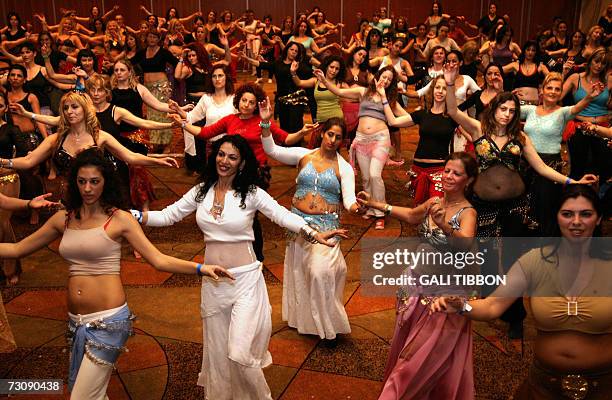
{"points": [[236, 315], [567, 284], [91, 231], [372, 143], [78, 130], [431, 355], [313, 287]]}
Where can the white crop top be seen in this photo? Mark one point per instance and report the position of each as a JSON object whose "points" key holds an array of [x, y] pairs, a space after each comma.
{"points": [[293, 155], [235, 224]]}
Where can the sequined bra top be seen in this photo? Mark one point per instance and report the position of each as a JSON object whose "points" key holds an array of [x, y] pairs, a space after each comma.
{"points": [[324, 183], [63, 160], [488, 154], [434, 235]]}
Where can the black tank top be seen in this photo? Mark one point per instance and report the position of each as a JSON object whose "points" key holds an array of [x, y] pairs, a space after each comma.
{"points": [[196, 82], [522, 80], [38, 86], [130, 100], [107, 121], [8, 133], [25, 103]]}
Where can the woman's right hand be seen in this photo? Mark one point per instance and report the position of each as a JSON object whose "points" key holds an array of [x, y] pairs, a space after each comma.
{"points": [[320, 75], [363, 198], [449, 305], [42, 202], [265, 109], [294, 67], [450, 73]]}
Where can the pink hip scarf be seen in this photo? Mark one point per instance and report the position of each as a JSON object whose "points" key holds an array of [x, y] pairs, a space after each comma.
{"points": [[374, 145]]}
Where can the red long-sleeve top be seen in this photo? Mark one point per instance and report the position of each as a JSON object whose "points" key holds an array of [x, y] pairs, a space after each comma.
{"points": [[248, 129]]}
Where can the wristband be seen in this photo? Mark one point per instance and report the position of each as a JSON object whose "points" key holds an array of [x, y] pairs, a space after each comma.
{"points": [[137, 214], [265, 125], [388, 209], [465, 309], [199, 270], [567, 181], [33, 117], [385, 103], [10, 163], [29, 205], [180, 61], [183, 124]]}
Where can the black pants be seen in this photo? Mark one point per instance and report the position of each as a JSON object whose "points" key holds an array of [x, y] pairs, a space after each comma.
{"points": [[544, 195], [291, 118], [589, 155]]}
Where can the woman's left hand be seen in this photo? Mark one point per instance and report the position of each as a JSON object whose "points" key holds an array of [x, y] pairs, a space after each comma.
{"points": [[588, 179], [216, 271], [168, 162], [326, 237], [42, 202], [265, 109], [310, 127]]}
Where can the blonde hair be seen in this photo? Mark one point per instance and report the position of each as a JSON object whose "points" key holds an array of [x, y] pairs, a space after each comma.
{"points": [[92, 125], [552, 76], [99, 81], [60, 29], [469, 46], [132, 80]]}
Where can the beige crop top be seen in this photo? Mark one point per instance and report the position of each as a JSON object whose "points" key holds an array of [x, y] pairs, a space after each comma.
{"points": [[91, 251], [553, 312]]}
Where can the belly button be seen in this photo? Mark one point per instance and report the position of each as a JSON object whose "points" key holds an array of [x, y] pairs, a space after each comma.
{"points": [[79, 291]]}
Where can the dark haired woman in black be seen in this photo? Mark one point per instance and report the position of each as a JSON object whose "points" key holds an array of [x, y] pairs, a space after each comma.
{"points": [[236, 315]]}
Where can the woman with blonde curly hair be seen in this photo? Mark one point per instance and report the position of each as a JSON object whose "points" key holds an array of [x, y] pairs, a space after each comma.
{"points": [[78, 129]]}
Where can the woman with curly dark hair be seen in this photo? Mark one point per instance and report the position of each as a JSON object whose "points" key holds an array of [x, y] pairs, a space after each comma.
{"points": [[371, 146], [236, 315], [91, 230], [248, 122]]}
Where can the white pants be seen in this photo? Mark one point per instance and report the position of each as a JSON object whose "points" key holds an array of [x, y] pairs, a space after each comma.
{"points": [[371, 152], [313, 289], [92, 381], [237, 319]]}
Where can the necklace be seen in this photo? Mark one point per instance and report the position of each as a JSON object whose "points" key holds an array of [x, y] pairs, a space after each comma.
{"points": [[77, 138], [217, 208]]}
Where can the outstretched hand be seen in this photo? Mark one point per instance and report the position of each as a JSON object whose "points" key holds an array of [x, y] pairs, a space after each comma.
{"points": [[42, 202], [328, 237], [450, 73], [265, 109], [588, 179]]}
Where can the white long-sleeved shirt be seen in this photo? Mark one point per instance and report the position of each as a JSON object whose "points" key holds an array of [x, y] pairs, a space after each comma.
{"points": [[235, 224], [293, 155], [209, 110]]}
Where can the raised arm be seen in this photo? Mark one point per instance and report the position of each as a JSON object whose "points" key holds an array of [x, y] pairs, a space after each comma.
{"points": [[286, 155], [123, 115], [595, 91], [51, 230], [404, 121], [350, 93], [308, 83], [471, 125], [129, 156]]}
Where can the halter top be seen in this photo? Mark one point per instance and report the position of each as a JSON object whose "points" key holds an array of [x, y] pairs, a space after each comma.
{"points": [[324, 184], [434, 235], [488, 154]]}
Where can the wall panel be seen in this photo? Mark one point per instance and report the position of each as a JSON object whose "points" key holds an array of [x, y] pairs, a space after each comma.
{"points": [[526, 16]]}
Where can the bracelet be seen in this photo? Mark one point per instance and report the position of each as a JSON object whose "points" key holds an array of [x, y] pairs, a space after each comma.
{"points": [[10, 163], [388, 209], [385, 103], [199, 270], [137, 214], [309, 233], [29, 205], [183, 124], [265, 125], [180, 61], [33, 117], [86, 77], [568, 181]]}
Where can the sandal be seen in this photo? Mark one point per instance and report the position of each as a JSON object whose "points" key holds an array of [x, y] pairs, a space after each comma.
{"points": [[380, 224]]}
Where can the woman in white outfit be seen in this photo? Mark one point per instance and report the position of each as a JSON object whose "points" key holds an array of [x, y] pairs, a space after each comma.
{"points": [[236, 314], [313, 283]]}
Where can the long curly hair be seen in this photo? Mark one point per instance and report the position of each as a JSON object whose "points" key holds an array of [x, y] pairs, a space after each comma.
{"points": [[390, 91], [113, 195], [341, 70], [489, 123], [252, 88], [92, 124], [245, 181]]}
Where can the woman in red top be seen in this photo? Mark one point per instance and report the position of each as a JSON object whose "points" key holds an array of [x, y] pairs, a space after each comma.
{"points": [[248, 123]]}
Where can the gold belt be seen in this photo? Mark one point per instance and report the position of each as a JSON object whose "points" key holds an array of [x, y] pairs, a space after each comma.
{"points": [[10, 178], [570, 386]]}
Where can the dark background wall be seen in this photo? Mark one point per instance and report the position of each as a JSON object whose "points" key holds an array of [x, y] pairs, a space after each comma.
{"points": [[526, 16]]}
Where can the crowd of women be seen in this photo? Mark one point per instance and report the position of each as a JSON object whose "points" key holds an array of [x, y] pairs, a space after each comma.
{"points": [[83, 103]]}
